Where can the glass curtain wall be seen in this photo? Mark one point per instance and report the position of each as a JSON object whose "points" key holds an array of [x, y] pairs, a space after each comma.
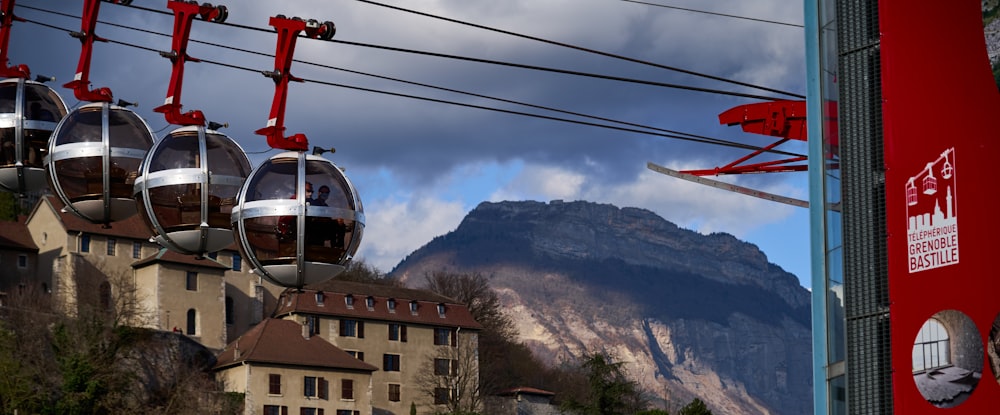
{"points": [[829, 342]]}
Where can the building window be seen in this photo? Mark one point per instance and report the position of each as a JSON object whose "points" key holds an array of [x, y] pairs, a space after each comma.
{"points": [[237, 262], [310, 411], [347, 412], [192, 322], [319, 298], [393, 392], [85, 243], [397, 332], [445, 367], [352, 328], [441, 396], [357, 355], [275, 410], [112, 242], [274, 384], [22, 261], [390, 362], [441, 310], [347, 389], [444, 337], [391, 305], [104, 293], [309, 387], [370, 303], [349, 301], [230, 314], [136, 249], [413, 307], [930, 350], [313, 323], [192, 281]]}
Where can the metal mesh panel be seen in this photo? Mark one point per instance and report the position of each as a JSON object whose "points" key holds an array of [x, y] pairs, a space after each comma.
{"points": [[869, 384]]}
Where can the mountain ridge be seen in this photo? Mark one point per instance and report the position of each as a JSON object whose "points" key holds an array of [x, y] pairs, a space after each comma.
{"points": [[694, 315]]}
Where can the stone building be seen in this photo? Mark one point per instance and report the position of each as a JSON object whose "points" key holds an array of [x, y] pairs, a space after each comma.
{"points": [[371, 349], [425, 345]]}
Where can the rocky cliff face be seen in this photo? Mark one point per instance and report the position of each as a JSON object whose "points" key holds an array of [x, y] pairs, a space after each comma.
{"points": [[693, 315]]}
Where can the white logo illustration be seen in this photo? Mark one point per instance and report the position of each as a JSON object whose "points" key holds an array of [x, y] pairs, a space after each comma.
{"points": [[932, 212]]}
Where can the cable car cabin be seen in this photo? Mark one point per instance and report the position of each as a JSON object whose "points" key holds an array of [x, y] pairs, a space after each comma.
{"points": [[299, 219], [29, 112], [187, 188], [95, 153]]}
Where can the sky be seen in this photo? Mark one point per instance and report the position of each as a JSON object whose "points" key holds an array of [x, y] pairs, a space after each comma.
{"points": [[419, 165]]}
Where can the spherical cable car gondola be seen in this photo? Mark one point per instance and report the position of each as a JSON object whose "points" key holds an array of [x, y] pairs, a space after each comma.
{"points": [[29, 112], [290, 233], [187, 187], [94, 157]]}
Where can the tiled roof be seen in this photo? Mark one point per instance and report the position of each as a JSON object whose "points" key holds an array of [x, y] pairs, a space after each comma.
{"points": [[166, 255], [334, 304], [281, 342], [133, 227], [15, 235]]}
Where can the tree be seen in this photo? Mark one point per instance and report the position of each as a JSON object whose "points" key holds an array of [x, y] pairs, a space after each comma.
{"points": [[452, 378], [91, 359], [359, 271], [696, 407], [496, 339], [610, 391]]}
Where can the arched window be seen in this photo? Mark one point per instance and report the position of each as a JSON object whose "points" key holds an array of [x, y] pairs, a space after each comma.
{"points": [[192, 322], [931, 347], [104, 295]]}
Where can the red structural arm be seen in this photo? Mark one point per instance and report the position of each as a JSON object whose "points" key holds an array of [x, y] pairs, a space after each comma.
{"points": [[6, 23], [184, 14], [81, 81], [288, 31], [784, 119]]}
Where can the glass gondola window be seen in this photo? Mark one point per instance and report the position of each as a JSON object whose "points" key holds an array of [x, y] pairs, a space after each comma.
{"points": [[187, 187], [29, 112], [95, 154], [291, 236]]}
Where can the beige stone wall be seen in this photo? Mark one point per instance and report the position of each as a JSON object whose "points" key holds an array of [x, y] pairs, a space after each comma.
{"points": [[253, 298], [417, 356], [50, 237], [252, 379], [207, 301]]}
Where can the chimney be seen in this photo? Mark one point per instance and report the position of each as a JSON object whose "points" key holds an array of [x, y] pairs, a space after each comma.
{"points": [[236, 350], [305, 329]]}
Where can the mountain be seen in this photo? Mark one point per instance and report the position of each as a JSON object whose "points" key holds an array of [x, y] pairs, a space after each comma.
{"points": [[692, 315]]}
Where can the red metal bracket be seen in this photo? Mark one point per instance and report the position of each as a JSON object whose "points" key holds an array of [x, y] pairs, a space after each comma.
{"points": [[81, 81], [6, 23], [184, 14], [785, 119], [288, 32]]}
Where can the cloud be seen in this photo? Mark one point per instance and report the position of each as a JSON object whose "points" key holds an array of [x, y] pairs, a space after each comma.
{"points": [[398, 226]]}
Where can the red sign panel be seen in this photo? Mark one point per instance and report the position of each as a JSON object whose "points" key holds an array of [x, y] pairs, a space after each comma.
{"points": [[941, 115]]}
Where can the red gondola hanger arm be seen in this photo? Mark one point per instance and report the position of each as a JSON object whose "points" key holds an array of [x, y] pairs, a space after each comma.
{"points": [[6, 23], [288, 31], [785, 119], [81, 80], [184, 14]]}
